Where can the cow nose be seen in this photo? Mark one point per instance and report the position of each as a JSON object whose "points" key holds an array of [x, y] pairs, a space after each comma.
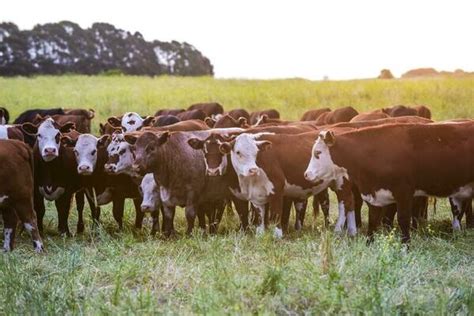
{"points": [[109, 168], [307, 176], [84, 168], [213, 173], [50, 150], [253, 171]]}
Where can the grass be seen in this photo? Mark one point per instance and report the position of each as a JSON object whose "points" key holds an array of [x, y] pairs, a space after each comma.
{"points": [[105, 271]]}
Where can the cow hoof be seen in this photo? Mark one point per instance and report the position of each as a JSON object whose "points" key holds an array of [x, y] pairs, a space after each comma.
{"points": [[352, 232], [456, 225], [278, 233], [38, 246], [260, 230]]}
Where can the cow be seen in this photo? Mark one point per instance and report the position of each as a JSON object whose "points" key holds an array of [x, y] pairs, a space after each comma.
{"points": [[4, 116], [369, 116], [89, 114], [130, 121], [344, 114], [226, 121], [236, 114], [270, 167], [16, 192], [196, 114], [422, 154], [12, 132], [165, 120], [108, 129], [168, 112], [270, 113], [402, 110], [210, 109], [30, 115], [82, 123], [312, 115]]}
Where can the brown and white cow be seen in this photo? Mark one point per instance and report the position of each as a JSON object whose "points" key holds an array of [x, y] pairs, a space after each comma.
{"points": [[312, 115], [226, 121], [344, 114], [12, 132], [210, 108], [402, 110], [410, 165], [130, 121], [16, 192], [195, 114], [369, 116], [270, 113]]}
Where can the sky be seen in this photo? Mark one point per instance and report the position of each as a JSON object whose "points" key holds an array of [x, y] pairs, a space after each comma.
{"points": [[340, 39]]}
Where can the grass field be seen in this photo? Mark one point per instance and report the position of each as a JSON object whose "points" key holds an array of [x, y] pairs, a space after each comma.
{"points": [[110, 272]]}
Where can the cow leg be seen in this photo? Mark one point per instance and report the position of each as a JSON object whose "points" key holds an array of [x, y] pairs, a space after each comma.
{"points": [[300, 207], [63, 205], [139, 215], [285, 217], [242, 208], [260, 215], [388, 215], [255, 213], [80, 201], [168, 219], [117, 210], [375, 218], [221, 205], [217, 207], [190, 212], [201, 214], [276, 209], [357, 207], [456, 209], [420, 207], [10, 222], [345, 198], [469, 215], [24, 210], [404, 210], [323, 201], [95, 209], [39, 208], [155, 227]]}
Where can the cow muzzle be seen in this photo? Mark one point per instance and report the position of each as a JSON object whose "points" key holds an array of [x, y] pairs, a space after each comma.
{"points": [[253, 172], [147, 208], [49, 153], [110, 168], [85, 170]]}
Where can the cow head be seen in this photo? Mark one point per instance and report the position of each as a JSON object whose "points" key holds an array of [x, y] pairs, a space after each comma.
{"points": [[86, 151], [243, 153], [108, 129], [321, 166], [131, 121], [120, 155], [4, 116], [150, 192], [215, 160], [48, 136], [146, 148]]}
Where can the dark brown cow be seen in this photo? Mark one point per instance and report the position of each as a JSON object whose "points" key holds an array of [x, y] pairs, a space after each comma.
{"points": [[196, 114], [89, 114], [190, 125], [344, 114], [402, 110], [312, 115], [236, 114], [165, 120], [108, 129], [16, 192], [411, 164], [169, 112], [271, 113], [226, 121], [81, 122], [210, 109]]}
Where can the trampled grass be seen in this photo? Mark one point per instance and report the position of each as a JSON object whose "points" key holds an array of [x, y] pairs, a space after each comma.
{"points": [[105, 271]]}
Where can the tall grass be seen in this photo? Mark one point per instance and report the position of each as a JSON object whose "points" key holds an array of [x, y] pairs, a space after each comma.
{"points": [[106, 271]]}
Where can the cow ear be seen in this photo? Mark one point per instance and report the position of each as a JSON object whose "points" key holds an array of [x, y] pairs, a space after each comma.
{"points": [[101, 128], [210, 122], [328, 137], [67, 127], [103, 141], [264, 145], [117, 130], [91, 114], [29, 128], [226, 147], [163, 138], [38, 118], [148, 121], [196, 143], [114, 121], [243, 122], [263, 119], [131, 139], [68, 141]]}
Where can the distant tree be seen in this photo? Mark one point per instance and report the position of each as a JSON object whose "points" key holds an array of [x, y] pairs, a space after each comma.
{"points": [[385, 74]]}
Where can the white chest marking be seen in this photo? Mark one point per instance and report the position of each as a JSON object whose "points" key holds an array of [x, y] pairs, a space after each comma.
{"points": [[3, 198], [3, 132], [379, 198], [256, 189]]}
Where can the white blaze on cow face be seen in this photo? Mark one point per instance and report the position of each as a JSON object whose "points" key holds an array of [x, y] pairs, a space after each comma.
{"points": [[3, 121], [150, 193], [48, 137], [244, 154], [321, 165], [120, 155], [131, 122], [86, 154]]}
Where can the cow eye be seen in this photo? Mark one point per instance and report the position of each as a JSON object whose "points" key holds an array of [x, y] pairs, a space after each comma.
{"points": [[39, 136], [149, 149], [238, 153], [93, 152], [316, 154]]}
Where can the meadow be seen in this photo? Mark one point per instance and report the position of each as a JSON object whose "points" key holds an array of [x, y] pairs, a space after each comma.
{"points": [[106, 271]]}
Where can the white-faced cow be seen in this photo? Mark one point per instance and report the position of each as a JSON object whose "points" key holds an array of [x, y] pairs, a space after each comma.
{"points": [[130, 121]]}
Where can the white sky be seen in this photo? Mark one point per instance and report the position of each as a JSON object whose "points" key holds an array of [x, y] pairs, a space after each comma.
{"points": [[285, 38]]}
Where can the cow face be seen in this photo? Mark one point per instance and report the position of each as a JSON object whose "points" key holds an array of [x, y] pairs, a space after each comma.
{"points": [[150, 192], [86, 154], [146, 149], [243, 153], [215, 160], [120, 156], [48, 136], [132, 121], [321, 166]]}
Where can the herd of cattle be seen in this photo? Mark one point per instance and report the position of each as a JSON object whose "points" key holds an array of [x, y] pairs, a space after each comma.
{"points": [[204, 159]]}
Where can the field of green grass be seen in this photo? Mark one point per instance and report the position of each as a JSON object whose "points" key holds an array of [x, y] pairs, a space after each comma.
{"points": [[106, 271]]}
